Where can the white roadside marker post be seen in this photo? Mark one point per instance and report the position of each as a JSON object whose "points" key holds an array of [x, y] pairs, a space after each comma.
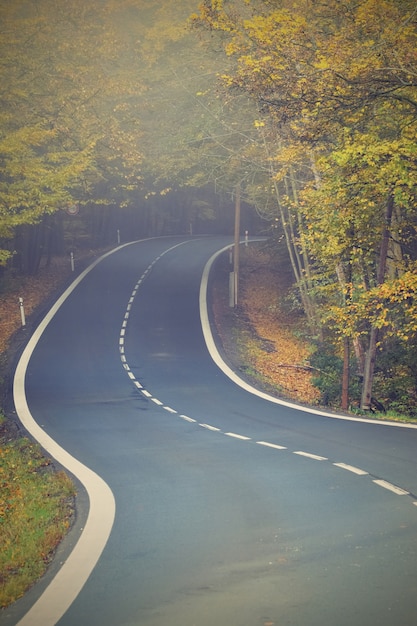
{"points": [[22, 312]]}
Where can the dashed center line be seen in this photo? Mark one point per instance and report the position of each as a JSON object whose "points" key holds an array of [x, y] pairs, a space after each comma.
{"points": [[168, 408], [275, 446], [316, 457], [209, 427], [236, 436], [351, 468], [271, 445], [188, 419], [391, 487]]}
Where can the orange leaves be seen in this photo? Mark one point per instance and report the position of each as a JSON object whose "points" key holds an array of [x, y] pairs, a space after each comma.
{"points": [[273, 349], [33, 290]]}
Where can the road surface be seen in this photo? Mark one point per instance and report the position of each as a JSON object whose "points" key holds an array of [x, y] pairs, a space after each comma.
{"points": [[229, 509]]}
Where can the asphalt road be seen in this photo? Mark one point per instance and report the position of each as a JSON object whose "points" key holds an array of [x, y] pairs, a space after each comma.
{"points": [[230, 509]]}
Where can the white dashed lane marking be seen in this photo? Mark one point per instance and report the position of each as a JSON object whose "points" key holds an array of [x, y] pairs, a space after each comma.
{"points": [[209, 427], [188, 419], [391, 487], [351, 468], [271, 445], [316, 457], [236, 436], [267, 444]]}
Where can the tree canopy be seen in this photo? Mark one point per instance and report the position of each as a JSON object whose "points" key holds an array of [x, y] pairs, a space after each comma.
{"points": [[99, 106], [310, 107], [336, 86]]}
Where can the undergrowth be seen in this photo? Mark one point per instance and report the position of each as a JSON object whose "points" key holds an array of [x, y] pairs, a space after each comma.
{"points": [[36, 511]]}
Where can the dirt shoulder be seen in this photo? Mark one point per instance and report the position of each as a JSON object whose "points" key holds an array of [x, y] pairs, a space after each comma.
{"points": [[38, 293], [259, 337]]}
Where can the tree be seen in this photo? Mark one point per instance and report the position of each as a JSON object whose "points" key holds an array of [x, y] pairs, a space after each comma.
{"points": [[67, 120], [110, 106], [337, 80]]}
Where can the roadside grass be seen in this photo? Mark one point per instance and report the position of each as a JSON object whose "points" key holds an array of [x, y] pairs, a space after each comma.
{"points": [[396, 417], [37, 502], [388, 416], [36, 511]]}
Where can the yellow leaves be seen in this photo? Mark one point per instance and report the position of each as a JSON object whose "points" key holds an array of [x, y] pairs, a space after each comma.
{"points": [[322, 63], [282, 364], [391, 306], [227, 79]]}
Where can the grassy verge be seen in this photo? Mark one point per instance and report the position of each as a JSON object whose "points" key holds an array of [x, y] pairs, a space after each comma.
{"points": [[36, 501], [36, 511]]}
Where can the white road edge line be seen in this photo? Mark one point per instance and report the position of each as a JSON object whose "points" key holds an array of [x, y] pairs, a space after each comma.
{"points": [[214, 353], [70, 579]]}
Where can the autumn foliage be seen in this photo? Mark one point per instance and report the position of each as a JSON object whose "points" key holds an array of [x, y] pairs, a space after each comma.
{"points": [[335, 85]]}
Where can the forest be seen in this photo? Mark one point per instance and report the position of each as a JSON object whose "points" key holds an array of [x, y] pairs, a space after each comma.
{"points": [[130, 119]]}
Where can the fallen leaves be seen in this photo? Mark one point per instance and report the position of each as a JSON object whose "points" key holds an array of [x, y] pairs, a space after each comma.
{"points": [[285, 367], [259, 337], [33, 290]]}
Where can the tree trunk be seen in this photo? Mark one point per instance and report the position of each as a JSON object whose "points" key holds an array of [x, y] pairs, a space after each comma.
{"points": [[296, 261], [345, 376], [369, 366]]}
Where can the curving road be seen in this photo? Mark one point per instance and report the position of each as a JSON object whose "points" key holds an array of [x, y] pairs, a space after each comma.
{"points": [[229, 508]]}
